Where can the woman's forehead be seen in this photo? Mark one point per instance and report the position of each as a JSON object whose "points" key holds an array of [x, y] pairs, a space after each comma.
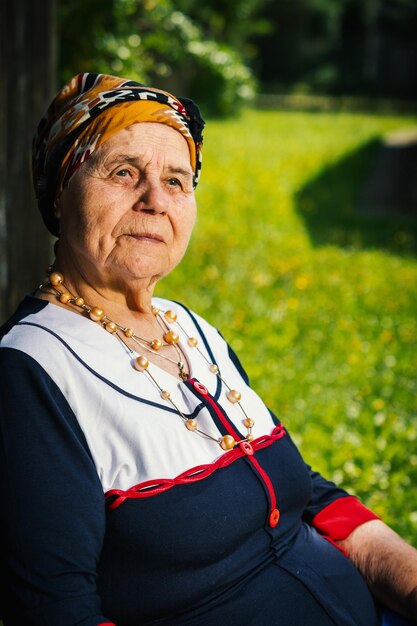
{"points": [[145, 139]]}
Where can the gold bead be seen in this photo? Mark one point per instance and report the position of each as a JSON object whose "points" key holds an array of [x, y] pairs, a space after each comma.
{"points": [[156, 344], [191, 424], [227, 442], [56, 278], [65, 297], [171, 337], [213, 368], [111, 327], [170, 316], [155, 310], [128, 332], [192, 341], [141, 363], [165, 394], [234, 396], [249, 437], [96, 314], [248, 422], [79, 301]]}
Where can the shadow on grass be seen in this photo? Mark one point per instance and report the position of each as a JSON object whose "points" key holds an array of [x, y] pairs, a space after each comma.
{"points": [[365, 200]]}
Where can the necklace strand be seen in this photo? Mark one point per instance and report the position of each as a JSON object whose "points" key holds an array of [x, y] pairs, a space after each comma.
{"points": [[165, 319]]}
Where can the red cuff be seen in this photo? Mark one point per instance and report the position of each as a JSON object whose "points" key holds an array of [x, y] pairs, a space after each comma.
{"points": [[338, 519], [106, 624]]}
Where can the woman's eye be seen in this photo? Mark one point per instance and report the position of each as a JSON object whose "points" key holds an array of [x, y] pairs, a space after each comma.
{"points": [[174, 182], [123, 173]]}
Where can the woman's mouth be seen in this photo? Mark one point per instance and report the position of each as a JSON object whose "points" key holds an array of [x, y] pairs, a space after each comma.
{"points": [[146, 237]]}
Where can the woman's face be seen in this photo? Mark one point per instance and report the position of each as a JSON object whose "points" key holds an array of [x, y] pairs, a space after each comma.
{"points": [[129, 211]]}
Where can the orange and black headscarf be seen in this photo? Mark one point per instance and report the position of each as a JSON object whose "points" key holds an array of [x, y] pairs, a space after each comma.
{"points": [[86, 113]]}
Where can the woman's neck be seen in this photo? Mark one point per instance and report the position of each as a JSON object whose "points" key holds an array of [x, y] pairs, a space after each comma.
{"points": [[128, 303], [125, 296]]}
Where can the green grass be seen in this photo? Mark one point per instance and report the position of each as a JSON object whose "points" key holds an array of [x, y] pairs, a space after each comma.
{"points": [[319, 301]]}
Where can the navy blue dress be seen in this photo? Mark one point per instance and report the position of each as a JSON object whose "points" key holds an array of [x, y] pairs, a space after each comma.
{"points": [[112, 512]]}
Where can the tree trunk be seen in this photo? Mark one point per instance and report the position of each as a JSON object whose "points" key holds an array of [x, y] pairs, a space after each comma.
{"points": [[27, 75]]}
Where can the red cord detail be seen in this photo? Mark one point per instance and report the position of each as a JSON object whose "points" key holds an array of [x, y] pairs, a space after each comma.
{"points": [[229, 427], [159, 485], [268, 483], [222, 417], [200, 388]]}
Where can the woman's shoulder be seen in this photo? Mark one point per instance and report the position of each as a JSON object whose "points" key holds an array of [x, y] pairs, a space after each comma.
{"points": [[45, 335], [35, 318], [24, 333], [29, 307]]}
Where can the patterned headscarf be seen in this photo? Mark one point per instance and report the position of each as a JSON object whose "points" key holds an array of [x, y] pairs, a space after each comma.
{"points": [[86, 113]]}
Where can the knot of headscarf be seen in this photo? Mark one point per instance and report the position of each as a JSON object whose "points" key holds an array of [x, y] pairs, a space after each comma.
{"points": [[86, 113]]}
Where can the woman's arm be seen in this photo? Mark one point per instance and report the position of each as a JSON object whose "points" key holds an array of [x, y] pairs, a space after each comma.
{"points": [[52, 518], [388, 564]]}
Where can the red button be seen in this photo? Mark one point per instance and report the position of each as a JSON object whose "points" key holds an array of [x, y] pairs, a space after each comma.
{"points": [[200, 388], [274, 518], [246, 448]]}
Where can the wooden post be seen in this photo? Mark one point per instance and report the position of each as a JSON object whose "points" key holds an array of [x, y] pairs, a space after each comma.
{"points": [[27, 75], [3, 151]]}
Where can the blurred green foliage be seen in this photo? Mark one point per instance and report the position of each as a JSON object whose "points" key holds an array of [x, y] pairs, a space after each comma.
{"points": [[200, 51], [220, 53], [356, 47], [326, 327]]}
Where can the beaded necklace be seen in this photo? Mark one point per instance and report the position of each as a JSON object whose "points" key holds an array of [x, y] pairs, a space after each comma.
{"points": [[170, 338]]}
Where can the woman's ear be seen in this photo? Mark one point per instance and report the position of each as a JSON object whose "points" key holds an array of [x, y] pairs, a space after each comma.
{"points": [[57, 207]]}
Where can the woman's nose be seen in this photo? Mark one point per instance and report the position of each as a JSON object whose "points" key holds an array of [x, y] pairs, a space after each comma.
{"points": [[152, 198]]}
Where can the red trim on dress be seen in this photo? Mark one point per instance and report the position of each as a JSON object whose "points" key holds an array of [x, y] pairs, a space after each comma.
{"points": [[267, 481], [222, 417], [272, 517], [338, 519], [159, 485]]}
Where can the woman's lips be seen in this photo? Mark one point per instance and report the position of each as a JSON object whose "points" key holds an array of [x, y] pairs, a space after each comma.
{"points": [[146, 237]]}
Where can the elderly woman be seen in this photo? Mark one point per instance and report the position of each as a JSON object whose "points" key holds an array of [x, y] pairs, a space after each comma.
{"points": [[142, 480]]}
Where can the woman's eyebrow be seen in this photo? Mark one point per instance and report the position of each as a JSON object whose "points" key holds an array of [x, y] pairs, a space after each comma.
{"points": [[124, 158], [171, 169], [179, 170]]}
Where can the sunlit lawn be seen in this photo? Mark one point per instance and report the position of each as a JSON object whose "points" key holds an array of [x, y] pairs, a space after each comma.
{"points": [[319, 302]]}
